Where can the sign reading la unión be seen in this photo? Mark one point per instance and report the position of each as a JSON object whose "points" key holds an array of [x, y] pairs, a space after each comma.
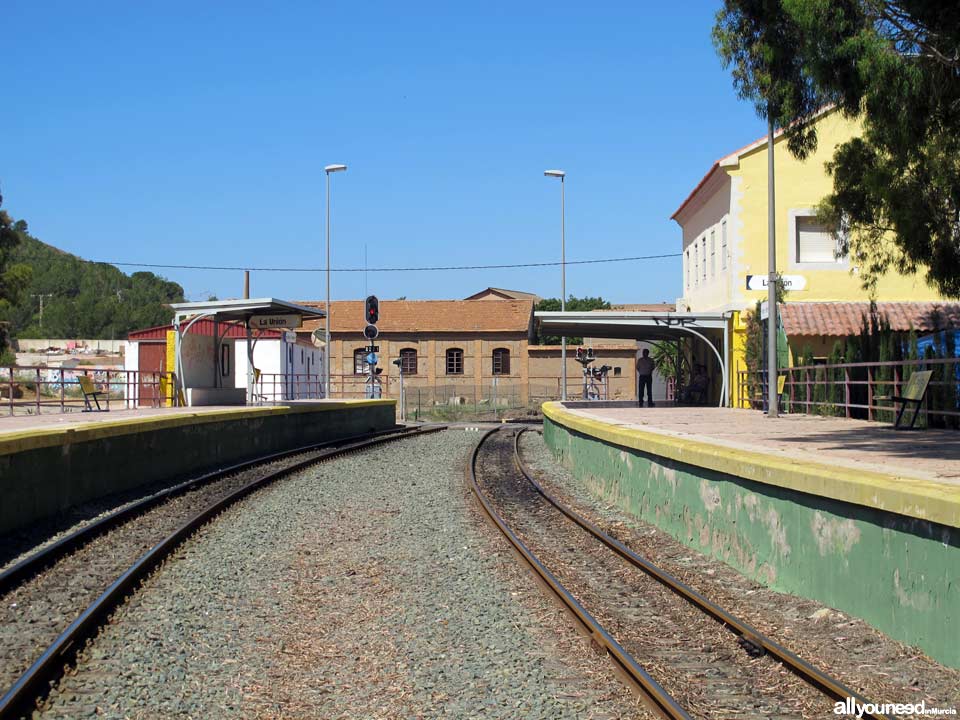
{"points": [[275, 322], [790, 282]]}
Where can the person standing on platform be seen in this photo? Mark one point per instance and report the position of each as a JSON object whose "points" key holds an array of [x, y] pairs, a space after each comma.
{"points": [[645, 377]]}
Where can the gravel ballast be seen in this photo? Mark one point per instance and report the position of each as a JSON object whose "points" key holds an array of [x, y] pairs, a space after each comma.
{"points": [[363, 587]]}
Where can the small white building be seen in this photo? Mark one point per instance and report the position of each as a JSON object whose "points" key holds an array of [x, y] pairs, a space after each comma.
{"points": [[210, 349]]}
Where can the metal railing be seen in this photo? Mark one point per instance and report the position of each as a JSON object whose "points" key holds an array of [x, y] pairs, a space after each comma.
{"points": [[860, 390], [282, 387], [37, 389]]}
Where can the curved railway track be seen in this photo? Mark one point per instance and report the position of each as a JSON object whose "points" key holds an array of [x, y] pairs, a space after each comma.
{"points": [[160, 524], [597, 570]]}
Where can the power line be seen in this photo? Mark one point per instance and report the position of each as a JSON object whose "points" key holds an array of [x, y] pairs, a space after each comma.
{"points": [[387, 269]]}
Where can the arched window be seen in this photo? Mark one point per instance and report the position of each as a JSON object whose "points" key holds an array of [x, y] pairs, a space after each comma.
{"points": [[408, 361], [454, 361], [501, 361], [360, 362]]}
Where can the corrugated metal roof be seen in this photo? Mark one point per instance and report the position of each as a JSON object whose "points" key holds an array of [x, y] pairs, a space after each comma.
{"points": [[200, 327], [842, 319]]}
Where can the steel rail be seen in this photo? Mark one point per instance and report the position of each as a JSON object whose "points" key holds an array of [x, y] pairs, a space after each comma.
{"points": [[33, 564], [656, 697], [750, 635], [35, 682]]}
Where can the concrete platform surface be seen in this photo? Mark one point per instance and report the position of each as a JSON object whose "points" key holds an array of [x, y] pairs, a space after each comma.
{"points": [[855, 444], [68, 421]]}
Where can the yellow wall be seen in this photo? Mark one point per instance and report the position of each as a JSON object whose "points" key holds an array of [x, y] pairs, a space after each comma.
{"points": [[800, 186]]}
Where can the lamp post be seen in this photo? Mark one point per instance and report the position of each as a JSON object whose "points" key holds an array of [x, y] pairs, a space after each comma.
{"points": [[563, 280], [326, 346]]}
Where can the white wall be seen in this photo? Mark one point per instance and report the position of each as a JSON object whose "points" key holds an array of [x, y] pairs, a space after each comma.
{"points": [[278, 357]]}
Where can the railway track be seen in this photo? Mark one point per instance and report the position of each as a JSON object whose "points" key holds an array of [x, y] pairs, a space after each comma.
{"points": [[58, 597], [684, 655]]}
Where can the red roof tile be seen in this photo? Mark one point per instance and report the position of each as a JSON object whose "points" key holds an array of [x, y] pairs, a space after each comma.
{"points": [[841, 319]]}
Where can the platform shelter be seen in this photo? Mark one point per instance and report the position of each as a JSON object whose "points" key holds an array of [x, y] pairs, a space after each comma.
{"points": [[710, 329], [203, 382]]}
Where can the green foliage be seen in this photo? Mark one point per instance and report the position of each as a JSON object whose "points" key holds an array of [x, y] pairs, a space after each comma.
{"points": [[14, 275], [574, 304], [85, 300], [896, 189]]}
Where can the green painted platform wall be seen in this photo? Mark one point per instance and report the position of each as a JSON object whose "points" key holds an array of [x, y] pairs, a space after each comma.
{"points": [[43, 483], [900, 574]]}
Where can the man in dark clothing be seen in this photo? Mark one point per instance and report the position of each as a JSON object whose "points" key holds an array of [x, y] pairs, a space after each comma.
{"points": [[645, 377]]}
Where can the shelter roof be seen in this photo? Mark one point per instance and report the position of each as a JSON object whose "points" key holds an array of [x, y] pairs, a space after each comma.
{"points": [[626, 324], [244, 308], [842, 319], [643, 307], [434, 316]]}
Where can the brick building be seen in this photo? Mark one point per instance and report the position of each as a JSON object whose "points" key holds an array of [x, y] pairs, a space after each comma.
{"points": [[460, 351]]}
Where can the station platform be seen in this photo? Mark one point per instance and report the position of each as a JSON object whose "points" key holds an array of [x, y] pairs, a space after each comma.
{"points": [[52, 463], [853, 514], [914, 473]]}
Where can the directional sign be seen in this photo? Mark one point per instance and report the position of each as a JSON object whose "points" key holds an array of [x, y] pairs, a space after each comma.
{"points": [[275, 322], [370, 332]]}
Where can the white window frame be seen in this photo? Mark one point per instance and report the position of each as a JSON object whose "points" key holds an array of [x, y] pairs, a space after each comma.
{"points": [[794, 262]]}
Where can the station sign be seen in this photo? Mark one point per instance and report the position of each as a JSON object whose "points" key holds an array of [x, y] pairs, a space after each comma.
{"points": [[790, 282], [275, 322]]}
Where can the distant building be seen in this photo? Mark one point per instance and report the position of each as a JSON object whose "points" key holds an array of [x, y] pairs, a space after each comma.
{"points": [[459, 350], [491, 293]]}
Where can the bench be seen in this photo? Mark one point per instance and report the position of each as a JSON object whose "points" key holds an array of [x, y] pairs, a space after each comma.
{"points": [[913, 394], [90, 391]]}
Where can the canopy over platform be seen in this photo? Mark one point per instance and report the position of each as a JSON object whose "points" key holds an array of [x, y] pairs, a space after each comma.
{"points": [[710, 327], [243, 309]]}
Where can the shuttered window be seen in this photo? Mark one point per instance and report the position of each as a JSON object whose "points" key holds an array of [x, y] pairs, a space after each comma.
{"points": [[713, 253], [723, 245], [815, 242]]}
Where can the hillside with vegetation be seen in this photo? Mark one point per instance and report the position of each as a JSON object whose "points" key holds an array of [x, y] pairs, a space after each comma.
{"points": [[82, 299]]}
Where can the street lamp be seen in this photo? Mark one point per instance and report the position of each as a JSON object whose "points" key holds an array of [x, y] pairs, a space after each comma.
{"points": [[563, 282], [326, 348]]}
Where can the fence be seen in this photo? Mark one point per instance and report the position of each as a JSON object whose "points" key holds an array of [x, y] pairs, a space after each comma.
{"points": [[36, 389], [861, 390], [281, 387]]}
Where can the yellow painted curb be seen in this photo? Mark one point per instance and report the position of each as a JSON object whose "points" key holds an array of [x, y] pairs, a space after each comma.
{"points": [[913, 497], [37, 438]]}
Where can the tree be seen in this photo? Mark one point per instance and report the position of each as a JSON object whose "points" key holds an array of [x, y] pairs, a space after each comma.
{"points": [[896, 65], [574, 304], [14, 277]]}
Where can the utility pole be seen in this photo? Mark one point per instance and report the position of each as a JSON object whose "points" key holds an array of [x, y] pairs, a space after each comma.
{"points": [[773, 399], [41, 296]]}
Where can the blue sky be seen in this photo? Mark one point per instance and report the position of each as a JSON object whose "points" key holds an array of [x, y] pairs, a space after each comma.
{"points": [[196, 133]]}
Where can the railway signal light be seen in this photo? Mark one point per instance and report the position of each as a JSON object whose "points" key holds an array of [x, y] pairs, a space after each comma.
{"points": [[372, 310]]}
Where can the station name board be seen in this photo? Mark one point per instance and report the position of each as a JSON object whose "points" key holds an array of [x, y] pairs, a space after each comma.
{"points": [[790, 282], [275, 322]]}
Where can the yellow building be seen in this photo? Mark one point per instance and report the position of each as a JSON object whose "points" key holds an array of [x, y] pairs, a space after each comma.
{"points": [[724, 227], [724, 223]]}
